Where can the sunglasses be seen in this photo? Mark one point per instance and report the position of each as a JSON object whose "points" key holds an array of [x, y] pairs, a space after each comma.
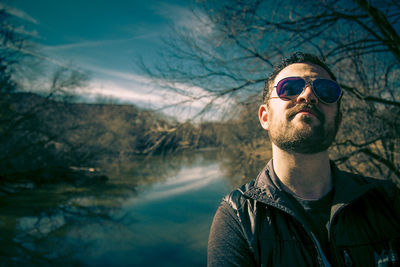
{"points": [[327, 91]]}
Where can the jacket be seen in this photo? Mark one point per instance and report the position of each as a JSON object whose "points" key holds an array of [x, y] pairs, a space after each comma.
{"points": [[363, 230]]}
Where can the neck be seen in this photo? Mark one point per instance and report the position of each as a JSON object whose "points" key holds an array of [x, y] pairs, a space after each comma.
{"points": [[306, 175]]}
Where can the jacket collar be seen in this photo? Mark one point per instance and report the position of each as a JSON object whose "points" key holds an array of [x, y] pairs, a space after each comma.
{"points": [[348, 188], [267, 189]]}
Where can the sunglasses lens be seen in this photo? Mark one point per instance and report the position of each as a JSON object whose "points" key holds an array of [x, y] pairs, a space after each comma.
{"points": [[290, 87], [327, 90]]}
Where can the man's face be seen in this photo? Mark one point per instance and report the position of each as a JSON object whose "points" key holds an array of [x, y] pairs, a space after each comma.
{"points": [[303, 124]]}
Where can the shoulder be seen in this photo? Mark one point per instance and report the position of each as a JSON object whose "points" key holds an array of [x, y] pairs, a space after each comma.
{"points": [[227, 242], [379, 183], [249, 192], [236, 198], [388, 188]]}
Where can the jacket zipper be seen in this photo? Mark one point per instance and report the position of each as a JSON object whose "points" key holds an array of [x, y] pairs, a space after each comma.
{"points": [[335, 252], [320, 256], [323, 261]]}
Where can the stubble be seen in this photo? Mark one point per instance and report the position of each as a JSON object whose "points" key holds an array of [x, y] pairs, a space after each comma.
{"points": [[310, 138]]}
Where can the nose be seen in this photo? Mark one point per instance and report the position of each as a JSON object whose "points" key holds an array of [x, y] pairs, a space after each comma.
{"points": [[307, 96]]}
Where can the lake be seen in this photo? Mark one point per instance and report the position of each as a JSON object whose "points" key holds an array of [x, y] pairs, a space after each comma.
{"points": [[153, 212]]}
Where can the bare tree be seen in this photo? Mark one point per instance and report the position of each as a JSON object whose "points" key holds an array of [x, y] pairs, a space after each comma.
{"points": [[232, 52], [9, 45], [31, 126]]}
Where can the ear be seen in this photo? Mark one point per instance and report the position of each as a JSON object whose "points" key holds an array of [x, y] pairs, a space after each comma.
{"points": [[263, 116]]}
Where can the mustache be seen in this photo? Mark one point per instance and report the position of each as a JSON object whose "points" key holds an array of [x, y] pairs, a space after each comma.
{"points": [[313, 109]]}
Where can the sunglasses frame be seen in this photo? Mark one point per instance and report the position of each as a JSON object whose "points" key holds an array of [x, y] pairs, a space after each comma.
{"points": [[288, 98]]}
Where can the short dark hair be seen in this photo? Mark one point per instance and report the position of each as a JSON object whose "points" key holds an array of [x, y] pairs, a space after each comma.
{"points": [[297, 57]]}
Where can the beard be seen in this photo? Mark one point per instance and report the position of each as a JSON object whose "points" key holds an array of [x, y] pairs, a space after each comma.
{"points": [[310, 139]]}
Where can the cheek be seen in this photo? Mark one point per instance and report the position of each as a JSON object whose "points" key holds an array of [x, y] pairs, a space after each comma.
{"points": [[331, 113], [276, 115]]}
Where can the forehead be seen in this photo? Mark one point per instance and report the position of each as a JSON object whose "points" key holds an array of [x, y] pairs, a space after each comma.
{"points": [[304, 70]]}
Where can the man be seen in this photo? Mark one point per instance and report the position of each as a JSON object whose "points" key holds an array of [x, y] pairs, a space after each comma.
{"points": [[301, 210]]}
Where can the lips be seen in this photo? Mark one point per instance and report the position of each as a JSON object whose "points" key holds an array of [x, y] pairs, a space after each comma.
{"points": [[307, 109]]}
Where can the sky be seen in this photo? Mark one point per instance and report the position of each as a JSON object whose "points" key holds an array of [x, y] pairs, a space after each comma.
{"points": [[105, 39]]}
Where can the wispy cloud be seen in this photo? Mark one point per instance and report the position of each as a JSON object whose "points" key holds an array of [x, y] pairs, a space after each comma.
{"points": [[129, 87], [155, 93], [129, 76], [21, 30], [89, 44], [43, 57], [172, 93], [19, 13], [183, 17], [137, 93], [123, 93]]}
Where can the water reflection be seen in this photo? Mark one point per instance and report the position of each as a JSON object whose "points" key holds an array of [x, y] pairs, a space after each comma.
{"points": [[188, 179], [153, 211]]}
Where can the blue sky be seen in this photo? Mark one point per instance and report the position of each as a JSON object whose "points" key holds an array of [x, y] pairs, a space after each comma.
{"points": [[105, 38]]}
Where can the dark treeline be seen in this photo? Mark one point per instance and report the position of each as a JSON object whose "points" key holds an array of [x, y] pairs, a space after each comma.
{"points": [[46, 140]]}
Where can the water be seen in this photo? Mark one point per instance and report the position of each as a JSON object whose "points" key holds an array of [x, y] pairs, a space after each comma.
{"points": [[159, 217]]}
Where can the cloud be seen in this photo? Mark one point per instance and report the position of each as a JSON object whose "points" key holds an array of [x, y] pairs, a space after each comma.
{"points": [[18, 13], [129, 87], [115, 90], [177, 99], [180, 92], [159, 99], [52, 60], [21, 30], [119, 74], [193, 20], [141, 93], [89, 44]]}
